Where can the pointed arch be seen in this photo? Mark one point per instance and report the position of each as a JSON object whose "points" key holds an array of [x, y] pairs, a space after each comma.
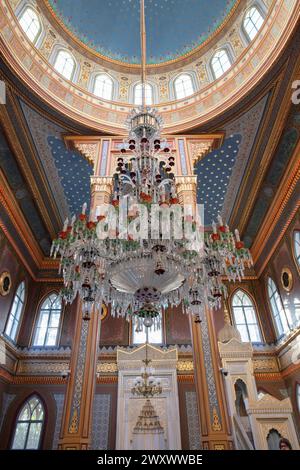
{"points": [[245, 317], [29, 424]]}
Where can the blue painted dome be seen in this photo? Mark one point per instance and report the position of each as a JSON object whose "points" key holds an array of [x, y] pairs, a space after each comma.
{"points": [[111, 27]]}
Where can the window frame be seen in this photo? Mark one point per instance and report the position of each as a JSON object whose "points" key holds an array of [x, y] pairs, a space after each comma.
{"points": [[184, 74], [230, 60], [26, 7], [55, 58], [254, 307], [14, 340], [139, 84], [37, 318], [245, 32], [284, 332], [21, 407], [94, 81]]}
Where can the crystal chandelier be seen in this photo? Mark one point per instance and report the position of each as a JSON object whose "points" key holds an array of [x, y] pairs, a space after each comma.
{"points": [[146, 385], [126, 255], [135, 269]]}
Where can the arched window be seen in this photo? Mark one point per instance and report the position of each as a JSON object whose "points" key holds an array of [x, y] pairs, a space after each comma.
{"points": [[29, 425], [103, 86], [138, 94], [252, 23], [183, 86], [154, 335], [30, 24], [47, 326], [298, 396], [65, 64], [245, 317], [220, 63], [279, 314], [15, 312], [297, 246]]}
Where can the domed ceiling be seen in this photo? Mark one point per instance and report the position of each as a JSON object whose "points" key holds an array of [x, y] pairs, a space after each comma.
{"points": [[111, 27]]}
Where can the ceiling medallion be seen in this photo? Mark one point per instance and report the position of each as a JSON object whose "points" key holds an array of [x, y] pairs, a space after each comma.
{"points": [[5, 283], [287, 280]]}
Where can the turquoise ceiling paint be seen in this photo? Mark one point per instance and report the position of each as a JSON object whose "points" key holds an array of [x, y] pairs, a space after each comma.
{"points": [[111, 27]]}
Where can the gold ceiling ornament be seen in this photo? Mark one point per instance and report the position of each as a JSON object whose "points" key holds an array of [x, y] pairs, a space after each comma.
{"points": [[5, 283], [148, 421]]}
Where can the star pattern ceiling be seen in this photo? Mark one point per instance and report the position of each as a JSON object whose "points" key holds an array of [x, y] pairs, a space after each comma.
{"points": [[213, 175], [74, 173]]}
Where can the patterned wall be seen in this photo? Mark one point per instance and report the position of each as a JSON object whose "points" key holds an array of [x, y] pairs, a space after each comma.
{"points": [[101, 420], [193, 420], [59, 400]]}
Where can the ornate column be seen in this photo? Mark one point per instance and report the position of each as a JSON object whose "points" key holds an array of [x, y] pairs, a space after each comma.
{"points": [[78, 406], [214, 423]]}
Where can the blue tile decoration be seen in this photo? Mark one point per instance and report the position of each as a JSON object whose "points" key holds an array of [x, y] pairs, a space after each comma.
{"points": [[111, 27], [74, 173], [213, 175]]}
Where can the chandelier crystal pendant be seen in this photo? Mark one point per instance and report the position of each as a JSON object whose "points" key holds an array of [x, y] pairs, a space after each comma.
{"points": [[127, 256]]}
